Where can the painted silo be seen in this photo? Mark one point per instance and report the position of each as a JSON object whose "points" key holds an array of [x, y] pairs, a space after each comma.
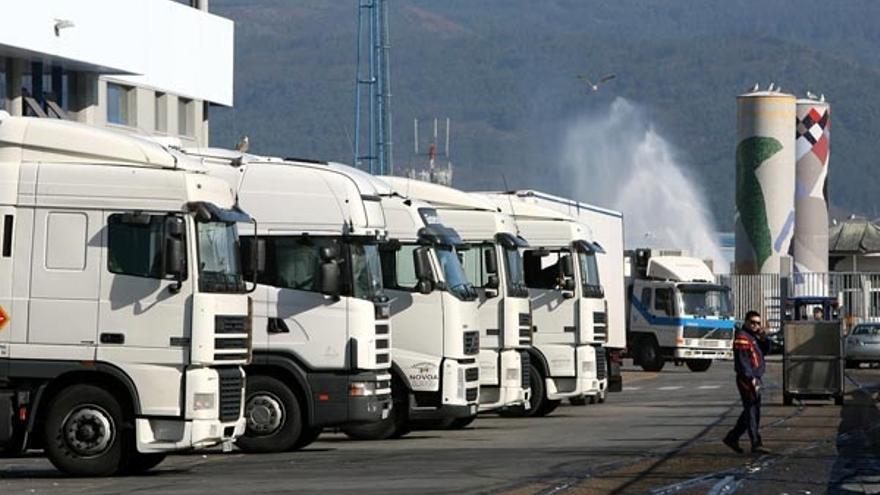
{"points": [[765, 172], [812, 144]]}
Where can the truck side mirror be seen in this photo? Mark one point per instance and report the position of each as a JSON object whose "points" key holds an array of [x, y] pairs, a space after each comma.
{"points": [[330, 275], [424, 287], [566, 266], [491, 286], [328, 253], [175, 261], [568, 284], [253, 256], [491, 260], [422, 264]]}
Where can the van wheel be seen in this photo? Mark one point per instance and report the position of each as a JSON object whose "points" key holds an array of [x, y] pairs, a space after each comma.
{"points": [[273, 414], [83, 433], [140, 463], [698, 365], [650, 357], [395, 425]]}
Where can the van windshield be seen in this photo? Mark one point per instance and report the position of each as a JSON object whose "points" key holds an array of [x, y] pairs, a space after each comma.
{"points": [[219, 268], [366, 271], [705, 302], [456, 281]]}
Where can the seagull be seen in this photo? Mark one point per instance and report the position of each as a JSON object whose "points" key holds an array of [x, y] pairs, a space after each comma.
{"points": [[771, 87], [812, 95], [62, 24], [756, 87], [243, 144], [602, 80], [822, 97]]}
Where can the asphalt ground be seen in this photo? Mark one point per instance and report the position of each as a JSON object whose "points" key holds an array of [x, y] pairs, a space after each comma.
{"points": [[661, 435]]}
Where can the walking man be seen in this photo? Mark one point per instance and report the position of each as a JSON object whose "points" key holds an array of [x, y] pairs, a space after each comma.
{"points": [[749, 347]]}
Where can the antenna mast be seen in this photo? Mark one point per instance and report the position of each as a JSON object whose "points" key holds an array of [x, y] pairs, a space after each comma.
{"points": [[373, 80]]}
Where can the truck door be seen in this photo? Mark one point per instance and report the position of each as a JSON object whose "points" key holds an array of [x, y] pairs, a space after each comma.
{"points": [[65, 274], [300, 320], [481, 267], [554, 307], [145, 318], [7, 225]]}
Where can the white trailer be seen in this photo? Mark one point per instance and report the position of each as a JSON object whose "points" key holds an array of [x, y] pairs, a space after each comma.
{"points": [[606, 230], [125, 319], [322, 334], [435, 373], [494, 264], [676, 311], [568, 308]]}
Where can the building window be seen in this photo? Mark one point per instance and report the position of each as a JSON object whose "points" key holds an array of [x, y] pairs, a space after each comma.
{"points": [[185, 120], [120, 104], [161, 112]]}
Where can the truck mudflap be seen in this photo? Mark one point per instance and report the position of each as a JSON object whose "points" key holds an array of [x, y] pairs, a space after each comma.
{"points": [[350, 399]]}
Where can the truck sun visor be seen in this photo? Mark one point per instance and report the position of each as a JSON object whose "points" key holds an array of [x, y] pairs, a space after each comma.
{"points": [[439, 234], [510, 241], [590, 247], [206, 211]]}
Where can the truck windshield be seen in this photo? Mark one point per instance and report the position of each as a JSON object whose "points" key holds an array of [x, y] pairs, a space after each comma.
{"points": [[456, 281], [709, 302], [366, 271], [589, 274], [516, 278], [219, 269]]}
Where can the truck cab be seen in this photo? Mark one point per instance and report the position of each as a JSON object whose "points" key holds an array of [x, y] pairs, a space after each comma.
{"points": [[434, 312], [676, 312], [567, 302], [322, 334], [493, 262], [128, 320]]}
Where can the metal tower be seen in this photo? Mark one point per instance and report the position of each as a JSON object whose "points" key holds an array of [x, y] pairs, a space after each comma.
{"points": [[373, 81]]}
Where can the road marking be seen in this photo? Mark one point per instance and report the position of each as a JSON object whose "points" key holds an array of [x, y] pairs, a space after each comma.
{"points": [[676, 387], [627, 389], [708, 387]]}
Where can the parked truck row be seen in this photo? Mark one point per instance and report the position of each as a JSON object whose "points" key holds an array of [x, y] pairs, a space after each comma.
{"points": [[158, 299]]}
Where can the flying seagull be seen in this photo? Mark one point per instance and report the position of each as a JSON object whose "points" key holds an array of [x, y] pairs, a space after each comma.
{"points": [[756, 88], [243, 144], [602, 80], [812, 95], [771, 88]]}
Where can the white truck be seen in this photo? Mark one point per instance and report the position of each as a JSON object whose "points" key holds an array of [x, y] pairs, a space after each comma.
{"points": [[124, 317], [676, 312], [493, 264], [606, 230], [322, 333], [567, 301], [435, 372]]}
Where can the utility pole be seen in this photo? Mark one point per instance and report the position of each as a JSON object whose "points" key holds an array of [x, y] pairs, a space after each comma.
{"points": [[373, 81]]}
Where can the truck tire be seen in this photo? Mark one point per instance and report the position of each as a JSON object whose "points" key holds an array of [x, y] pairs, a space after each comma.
{"points": [[602, 396], [547, 407], [537, 400], [851, 364], [579, 401], [461, 423], [273, 414], [787, 399], [395, 425], [307, 437], [138, 463], [838, 400], [83, 433], [650, 357], [698, 365]]}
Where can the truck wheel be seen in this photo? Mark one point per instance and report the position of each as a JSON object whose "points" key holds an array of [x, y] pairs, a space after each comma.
{"points": [[83, 433], [787, 399], [273, 414], [547, 407], [602, 396], [536, 398], [461, 423], [579, 401], [308, 436], [851, 364], [395, 425], [838, 400], [650, 357], [698, 365], [138, 463]]}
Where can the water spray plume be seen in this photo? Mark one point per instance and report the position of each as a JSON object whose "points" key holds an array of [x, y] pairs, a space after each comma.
{"points": [[619, 161]]}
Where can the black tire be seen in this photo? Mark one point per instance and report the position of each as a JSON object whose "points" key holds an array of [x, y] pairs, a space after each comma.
{"points": [[602, 396], [650, 357], [307, 437], [579, 401], [787, 399], [698, 365], [274, 416], [852, 364], [547, 407], [138, 463], [838, 400], [395, 425], [83, 433], [536, 398], [461, 423]]}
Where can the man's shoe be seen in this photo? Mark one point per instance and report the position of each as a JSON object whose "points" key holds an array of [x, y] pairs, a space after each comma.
{"points": [[733, 445], [760, 449]]}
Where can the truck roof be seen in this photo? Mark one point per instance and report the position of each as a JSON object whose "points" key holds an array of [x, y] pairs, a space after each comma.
{"points": [[439, 195], [679, 269], [32, 139]]}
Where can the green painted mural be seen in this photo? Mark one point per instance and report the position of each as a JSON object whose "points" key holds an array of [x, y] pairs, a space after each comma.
{"points": [[751, 153]]}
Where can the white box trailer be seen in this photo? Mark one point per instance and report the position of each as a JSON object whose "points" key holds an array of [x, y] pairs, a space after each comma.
{"points": [[125, 315], [322, 330]]}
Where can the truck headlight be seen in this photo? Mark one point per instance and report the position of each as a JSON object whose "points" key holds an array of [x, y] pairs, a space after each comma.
{"points": [[203, 402], [362, 389], [513, 374], [460, 382]]}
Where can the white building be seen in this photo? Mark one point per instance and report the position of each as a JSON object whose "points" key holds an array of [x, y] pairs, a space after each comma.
{"points": [[155, 66]]}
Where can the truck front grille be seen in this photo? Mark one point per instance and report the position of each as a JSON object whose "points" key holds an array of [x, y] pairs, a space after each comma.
{"points": [[708, 333], [525, 320], [526, 361], [472, 374], [601, 363], [383, 343], [232, 339], [471, 394], [600, 325], [525, 329], [471, 343], [231, 390]]}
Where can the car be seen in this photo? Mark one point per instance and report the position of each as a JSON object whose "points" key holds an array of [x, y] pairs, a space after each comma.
{"points": [[863, 345]]}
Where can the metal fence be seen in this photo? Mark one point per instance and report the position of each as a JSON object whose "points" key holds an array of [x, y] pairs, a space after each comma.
{"points": [[858, 293]]}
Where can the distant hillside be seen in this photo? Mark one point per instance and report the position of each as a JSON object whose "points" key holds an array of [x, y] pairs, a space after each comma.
{"points": [[504, 70]]}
